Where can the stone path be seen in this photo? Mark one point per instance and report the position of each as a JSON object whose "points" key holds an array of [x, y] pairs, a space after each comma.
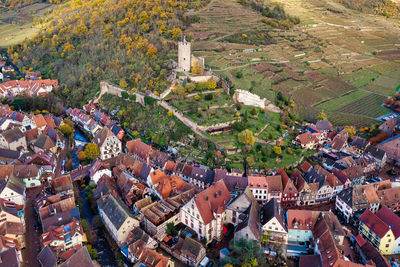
{"points": [[166, 92], [265, 126]]}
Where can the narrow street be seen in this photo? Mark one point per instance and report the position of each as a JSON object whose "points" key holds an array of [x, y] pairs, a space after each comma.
{"points": [[105, 253], [60, 160], [32, 237]]}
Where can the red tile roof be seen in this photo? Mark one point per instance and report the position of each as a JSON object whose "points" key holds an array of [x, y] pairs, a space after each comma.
{"points": [[258, 182], [391, 219], [139, 148], [212, 200], [39, 120], [304, 219], [374, 223], [305, 167]]}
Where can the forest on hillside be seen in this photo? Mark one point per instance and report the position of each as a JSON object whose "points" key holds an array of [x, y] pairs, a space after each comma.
{"points": [[123, 41], [274, 13], [386, 8]]}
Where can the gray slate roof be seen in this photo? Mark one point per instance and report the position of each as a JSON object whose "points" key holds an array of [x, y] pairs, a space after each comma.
{"points": [[46, 257], [115, 210], [272, 210]]}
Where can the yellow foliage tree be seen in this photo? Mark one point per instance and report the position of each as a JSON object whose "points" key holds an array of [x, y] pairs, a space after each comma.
{"points": [[197, 68], [170, 113], [351, 130], [152, 51], [246, 137], [322, 115], [176, 33], [277, 150], [123, 83], [211, 84], [92, 151]]}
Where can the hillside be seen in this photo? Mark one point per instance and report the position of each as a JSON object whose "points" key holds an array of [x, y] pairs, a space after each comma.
{"points": [[337, 59], [84, 42], [386, 8]]}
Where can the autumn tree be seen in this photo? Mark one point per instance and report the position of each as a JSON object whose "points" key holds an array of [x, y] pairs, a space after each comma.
{"points": [[197, 68], [190, 87], [322, 116], [246, 137], [351, 130], [66, 130], [211, 84], [123, 83], [176, 33], [179, 90], [277, 150], [81, 156], [92, 151]]}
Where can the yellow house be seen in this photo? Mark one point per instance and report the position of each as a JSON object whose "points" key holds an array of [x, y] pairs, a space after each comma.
{"points": [[377, 231]]}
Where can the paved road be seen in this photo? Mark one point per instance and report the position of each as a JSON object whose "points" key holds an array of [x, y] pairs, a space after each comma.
{"points": [[32, 237]]}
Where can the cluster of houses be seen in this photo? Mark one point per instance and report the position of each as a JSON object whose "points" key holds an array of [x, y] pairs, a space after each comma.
{"points": [[63, 240], [91, 120], [32, 85], [204, 203], [22, 132], [338, 144], [31, 88]]}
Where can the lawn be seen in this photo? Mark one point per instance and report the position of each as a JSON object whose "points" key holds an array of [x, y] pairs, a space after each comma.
{"points": [[16, 33], [190, 103], [15, 27]]}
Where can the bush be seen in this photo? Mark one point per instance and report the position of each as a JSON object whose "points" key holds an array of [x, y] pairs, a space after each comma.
{"points": [[239, 74], [149, 100], [208, 97], [124, 95], [132, 97]]}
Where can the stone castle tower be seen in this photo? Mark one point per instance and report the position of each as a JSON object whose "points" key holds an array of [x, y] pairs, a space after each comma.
{"points": [[184, 56]]}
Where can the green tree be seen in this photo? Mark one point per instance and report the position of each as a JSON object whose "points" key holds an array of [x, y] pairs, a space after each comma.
{"points": [[244, 253], [93, 253], [148, 100], [124, 95], [171, 229], [92, 151]]}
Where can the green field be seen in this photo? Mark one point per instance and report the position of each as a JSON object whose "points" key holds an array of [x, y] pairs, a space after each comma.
{"points": [[16, 26], [361, 77]]}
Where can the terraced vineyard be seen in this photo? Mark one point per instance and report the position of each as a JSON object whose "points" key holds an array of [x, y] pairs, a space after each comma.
{"points": [[337, 59], [367, 106]]}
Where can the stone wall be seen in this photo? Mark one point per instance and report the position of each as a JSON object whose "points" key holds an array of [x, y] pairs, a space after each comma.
{"points": [[108, 88], [249, 99]]}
